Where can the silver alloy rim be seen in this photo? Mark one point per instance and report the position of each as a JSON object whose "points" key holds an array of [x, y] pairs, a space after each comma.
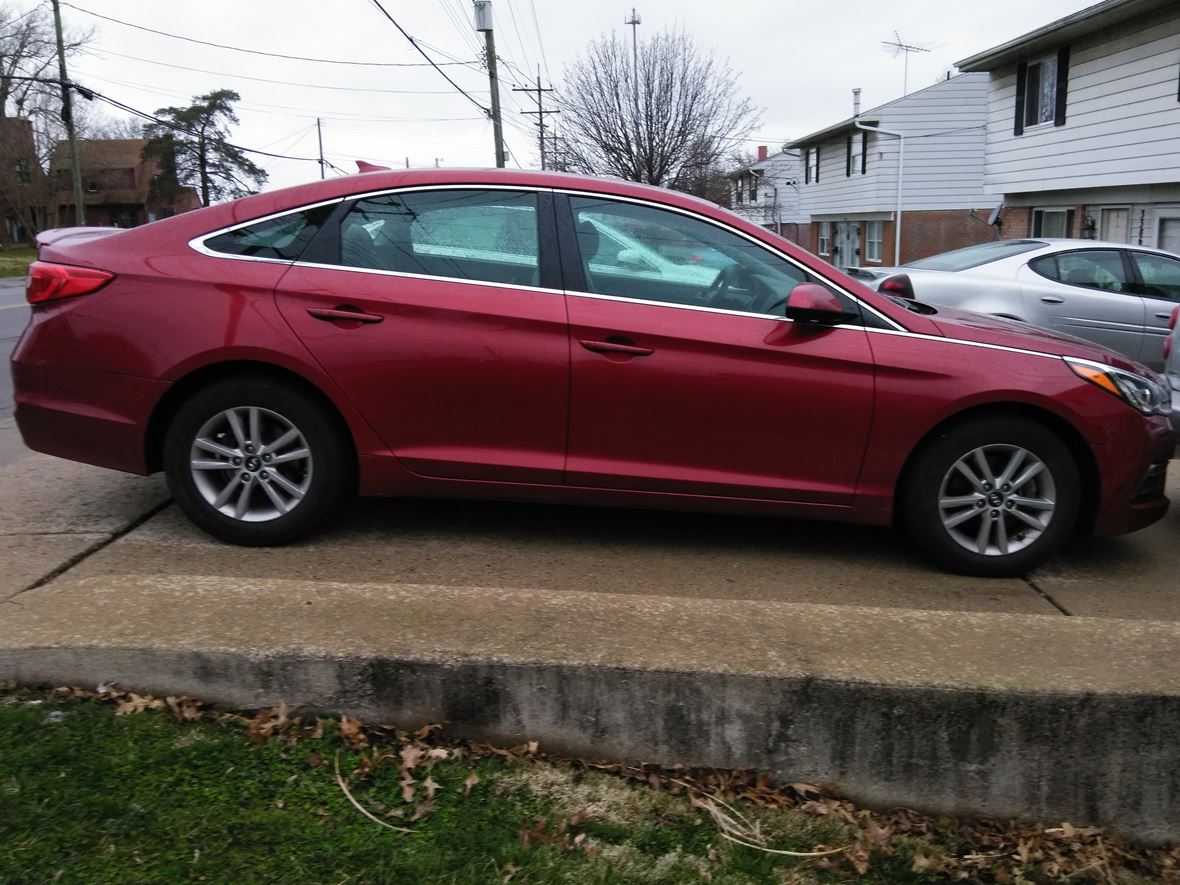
{"points": [[251, 464], [997, 500]]}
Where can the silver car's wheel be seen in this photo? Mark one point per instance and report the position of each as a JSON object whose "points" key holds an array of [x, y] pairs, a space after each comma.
{"points": [[993, 495], [251, 464], [997, 500]]}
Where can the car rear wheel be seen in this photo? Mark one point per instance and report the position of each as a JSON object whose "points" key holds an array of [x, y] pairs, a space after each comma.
{"points": [[255, 461], [994, 497]]}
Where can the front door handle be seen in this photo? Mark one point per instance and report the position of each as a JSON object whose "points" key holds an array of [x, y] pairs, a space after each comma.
{"points": [[1052, 299], [621, 347], [343, 314]]}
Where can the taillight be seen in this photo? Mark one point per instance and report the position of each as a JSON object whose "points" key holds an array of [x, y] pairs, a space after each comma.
{"points": [[1175, 316], [49, 282], [898, 285]]}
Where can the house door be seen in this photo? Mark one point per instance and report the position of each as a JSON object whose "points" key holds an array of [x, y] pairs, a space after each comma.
{"points": [[846, 248], [1114, 225]]}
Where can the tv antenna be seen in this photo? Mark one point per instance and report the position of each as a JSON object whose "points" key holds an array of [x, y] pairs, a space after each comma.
{"points": [[899, 47]]}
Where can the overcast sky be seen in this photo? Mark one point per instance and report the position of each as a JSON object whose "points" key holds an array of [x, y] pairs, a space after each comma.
{"points": [[796, 61]]}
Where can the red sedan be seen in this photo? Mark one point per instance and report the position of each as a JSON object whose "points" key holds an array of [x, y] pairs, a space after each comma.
{"points": [[534, 336]]}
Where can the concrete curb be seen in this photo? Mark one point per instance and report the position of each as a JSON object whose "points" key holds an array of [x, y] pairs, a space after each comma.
{"points": [[1085, 743]]}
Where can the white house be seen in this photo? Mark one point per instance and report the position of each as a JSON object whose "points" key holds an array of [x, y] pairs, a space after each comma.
{"points": [[1083, 132], [851, 176], [767, 192]]}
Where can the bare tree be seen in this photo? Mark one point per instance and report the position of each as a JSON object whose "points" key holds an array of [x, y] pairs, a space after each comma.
{"points": [[667, 123]]}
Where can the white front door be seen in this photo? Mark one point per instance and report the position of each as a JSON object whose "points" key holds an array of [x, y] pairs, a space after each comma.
{"points": [[847, 244]]}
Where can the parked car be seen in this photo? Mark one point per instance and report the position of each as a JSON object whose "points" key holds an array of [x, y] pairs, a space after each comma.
{"points": [[1172, 364], [1117, 295], [479, 333]]}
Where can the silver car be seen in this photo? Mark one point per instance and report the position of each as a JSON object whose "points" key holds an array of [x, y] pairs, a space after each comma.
{"points": [[1117, 295], [1172, 364]]}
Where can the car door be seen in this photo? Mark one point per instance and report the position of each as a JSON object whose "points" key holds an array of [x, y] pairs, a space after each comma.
{"points": [[1087, 293], [429, 308], [701, 385], [1157, 279]]}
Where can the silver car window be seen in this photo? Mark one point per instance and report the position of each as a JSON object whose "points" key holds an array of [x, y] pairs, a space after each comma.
{"points": [[1089, 268], [1160, 275]]}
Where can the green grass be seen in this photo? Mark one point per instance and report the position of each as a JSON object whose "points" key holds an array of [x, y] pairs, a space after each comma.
{"points": [[87, 796], [90, 796], [14, 260]]}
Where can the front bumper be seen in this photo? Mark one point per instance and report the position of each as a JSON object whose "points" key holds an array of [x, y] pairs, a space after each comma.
{"points": [[1133, 478]]}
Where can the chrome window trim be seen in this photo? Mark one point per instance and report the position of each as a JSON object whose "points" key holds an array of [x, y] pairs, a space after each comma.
{"points": [[197, 244], [1004, 347], [422, 276], [725, 227]]}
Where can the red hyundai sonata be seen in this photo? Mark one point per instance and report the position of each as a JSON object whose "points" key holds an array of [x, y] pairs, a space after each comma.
{"points": [[540, 336]]}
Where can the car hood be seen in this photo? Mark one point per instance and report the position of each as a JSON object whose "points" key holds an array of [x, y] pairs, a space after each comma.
{"points": [[967, 325]]}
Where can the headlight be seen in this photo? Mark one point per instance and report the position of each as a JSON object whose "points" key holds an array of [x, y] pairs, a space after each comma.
{"points": [[1140, 393]]}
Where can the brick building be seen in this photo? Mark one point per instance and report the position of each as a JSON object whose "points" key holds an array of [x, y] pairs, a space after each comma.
{"points": [[116, 183], [23, 189]]}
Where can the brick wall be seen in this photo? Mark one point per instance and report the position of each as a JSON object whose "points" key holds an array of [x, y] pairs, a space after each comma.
{"points": [[931, 232]]}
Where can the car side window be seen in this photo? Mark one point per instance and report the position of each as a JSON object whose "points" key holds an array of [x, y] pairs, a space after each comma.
{"points": [[482, 235], [1160, 275], [649, 254], [1089, 268], [282, 238]]}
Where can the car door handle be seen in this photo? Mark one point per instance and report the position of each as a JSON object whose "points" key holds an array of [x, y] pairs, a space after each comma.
{"points": [[1164, 316], [338, 314], [1052, 299], [616, 347]]}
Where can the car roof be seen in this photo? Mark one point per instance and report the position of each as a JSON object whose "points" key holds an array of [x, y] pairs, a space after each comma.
{"points": [[1074, 242]]}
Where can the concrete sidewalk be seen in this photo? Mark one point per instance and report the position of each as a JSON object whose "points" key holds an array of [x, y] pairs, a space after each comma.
{"points": [[814, 652]]}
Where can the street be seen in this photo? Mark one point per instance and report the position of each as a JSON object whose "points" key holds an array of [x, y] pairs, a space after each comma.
{"points": [[14, 313]]}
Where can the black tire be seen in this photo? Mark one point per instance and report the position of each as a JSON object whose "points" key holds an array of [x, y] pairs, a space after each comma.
{"points": [[934, 478], [324, 477]]}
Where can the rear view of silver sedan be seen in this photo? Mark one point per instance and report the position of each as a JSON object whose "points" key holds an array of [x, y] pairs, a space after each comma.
{"points": [[1111, 293]]}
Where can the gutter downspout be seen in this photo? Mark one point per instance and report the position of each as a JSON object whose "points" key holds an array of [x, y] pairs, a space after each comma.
{"points": [[900, 170]]}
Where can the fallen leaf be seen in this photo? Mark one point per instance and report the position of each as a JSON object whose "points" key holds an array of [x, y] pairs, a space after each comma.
{"points": [[472, 780], [137, 704], [352, 732], [431, 786]]}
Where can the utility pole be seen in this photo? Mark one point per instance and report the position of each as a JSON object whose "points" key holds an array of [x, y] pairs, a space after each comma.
{"points": [[634, 21], [540, 111], [483, 22], [319, 132], [67, 117]]}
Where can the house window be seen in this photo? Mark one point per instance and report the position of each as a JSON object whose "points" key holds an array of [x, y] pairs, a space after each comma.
{"points": [[812, 164], [21, 167], [1052, 222], [874, 235], [856, 153], [1040, 92], [753, 188], [825, 237], [740, 194]]}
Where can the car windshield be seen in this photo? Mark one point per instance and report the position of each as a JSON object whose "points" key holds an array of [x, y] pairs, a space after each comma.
{"points": [[974, 256]]}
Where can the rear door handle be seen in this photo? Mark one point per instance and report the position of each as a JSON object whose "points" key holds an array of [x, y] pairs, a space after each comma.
{"points": [[1164, 316], [338, 314], [616, 347], [1052, 299]]}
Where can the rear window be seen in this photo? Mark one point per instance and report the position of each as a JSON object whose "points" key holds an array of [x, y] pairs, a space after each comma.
{"points": [[284, 237], [974, 256]]}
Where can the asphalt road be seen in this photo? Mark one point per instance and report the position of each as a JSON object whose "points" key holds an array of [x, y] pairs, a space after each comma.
{"points": [[14, 314]]}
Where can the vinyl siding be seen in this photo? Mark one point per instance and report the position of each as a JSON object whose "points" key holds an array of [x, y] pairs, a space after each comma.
{"points": [[1122, 122], [945, 129]]}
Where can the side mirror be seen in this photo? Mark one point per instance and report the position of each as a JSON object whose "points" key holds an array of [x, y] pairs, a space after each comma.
{"points": [[813, 303]]}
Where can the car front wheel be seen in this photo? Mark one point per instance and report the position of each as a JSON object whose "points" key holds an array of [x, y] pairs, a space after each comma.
{"points": [[255, 461], [994, 497]]}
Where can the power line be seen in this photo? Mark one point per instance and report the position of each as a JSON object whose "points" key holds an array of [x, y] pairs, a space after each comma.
{"points": [[326, 61], [422, 52], [540, 40], [275, 82]]}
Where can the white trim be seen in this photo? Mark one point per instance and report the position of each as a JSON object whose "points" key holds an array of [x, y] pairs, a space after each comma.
{"points": [[757, 242], [198, 244], [946, 340]]}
